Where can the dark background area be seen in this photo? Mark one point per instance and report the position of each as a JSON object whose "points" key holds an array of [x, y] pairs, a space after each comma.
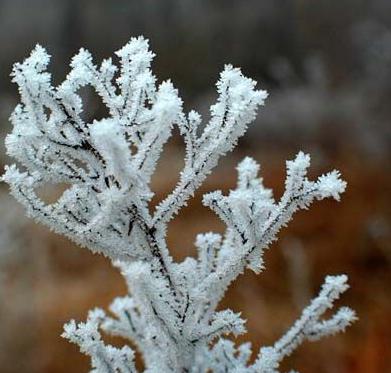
{"points": [[327, 67]]}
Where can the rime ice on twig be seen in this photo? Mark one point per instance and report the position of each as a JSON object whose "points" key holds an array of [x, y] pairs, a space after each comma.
{"points": [[170, 313], [104, 358], [308, 326]]}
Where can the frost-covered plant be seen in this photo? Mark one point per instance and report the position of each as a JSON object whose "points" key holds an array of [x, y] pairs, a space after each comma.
{"points": [[170, 313]]}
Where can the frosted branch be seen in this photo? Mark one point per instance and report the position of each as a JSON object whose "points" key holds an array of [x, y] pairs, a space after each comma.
{"points": [[104, 358], [309, 326], [170, 313]]}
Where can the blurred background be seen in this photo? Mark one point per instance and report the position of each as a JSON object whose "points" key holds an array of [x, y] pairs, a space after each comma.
{"points": [[327, 67]]}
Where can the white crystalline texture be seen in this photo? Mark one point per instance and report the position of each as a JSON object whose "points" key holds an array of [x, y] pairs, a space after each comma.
{"points": [[170, 313]]}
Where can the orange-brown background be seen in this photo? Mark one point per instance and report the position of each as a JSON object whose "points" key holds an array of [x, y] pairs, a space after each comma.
{"points": [[327, 66]]}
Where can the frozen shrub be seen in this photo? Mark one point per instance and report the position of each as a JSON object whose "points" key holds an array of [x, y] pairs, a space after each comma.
{"points": [[170, 312]]}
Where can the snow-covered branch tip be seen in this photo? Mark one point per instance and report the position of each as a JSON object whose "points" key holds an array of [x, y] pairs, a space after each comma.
{"points": [[170, 313]]}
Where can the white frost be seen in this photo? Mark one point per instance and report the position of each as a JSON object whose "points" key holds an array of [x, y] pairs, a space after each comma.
{"points": [[170, 313]]}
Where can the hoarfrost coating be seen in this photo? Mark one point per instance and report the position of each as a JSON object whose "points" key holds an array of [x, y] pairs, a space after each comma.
{"points": [[170, 313]]}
